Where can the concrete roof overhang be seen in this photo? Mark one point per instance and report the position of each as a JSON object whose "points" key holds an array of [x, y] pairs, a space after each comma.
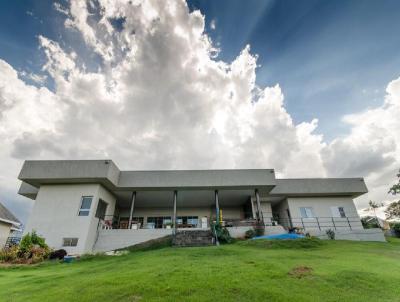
{"points": [[299, 187], [105, 172], [194, 186]]}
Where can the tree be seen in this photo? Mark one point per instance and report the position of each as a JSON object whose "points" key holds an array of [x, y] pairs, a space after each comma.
{"points": [[373, 205], [393, 210], [395, 189]]}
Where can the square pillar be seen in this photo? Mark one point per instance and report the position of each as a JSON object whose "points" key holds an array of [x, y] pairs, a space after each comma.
{"points": [[260, 215], [217, 207], [174, 213], [132, 207]]}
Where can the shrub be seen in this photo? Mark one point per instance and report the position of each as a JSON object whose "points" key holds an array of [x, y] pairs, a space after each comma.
{"points": [[32, 249], [331, 234], [58, 254], [396, 228], [250, 234], [9, 254], [370, 222], [222, 234], [39, 254], [30, 240]]}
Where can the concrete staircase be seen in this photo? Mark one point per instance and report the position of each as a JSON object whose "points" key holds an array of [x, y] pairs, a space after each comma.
{"points": [[193, 238]]}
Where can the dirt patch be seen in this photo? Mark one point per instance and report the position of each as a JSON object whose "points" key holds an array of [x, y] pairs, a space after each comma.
{"points": [[134, 298], [301, 272]]}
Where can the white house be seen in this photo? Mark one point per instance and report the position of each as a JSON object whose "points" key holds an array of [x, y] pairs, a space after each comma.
{"points": [[8, 224], [90, 205]]}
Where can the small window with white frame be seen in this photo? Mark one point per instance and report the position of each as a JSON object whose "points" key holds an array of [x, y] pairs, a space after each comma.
{"points": [[70, 241], [338, 212], [307, 212], [86, 203]]}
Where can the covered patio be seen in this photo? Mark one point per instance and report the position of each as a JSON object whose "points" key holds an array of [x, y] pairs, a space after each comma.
{"points": [[186, 209]]}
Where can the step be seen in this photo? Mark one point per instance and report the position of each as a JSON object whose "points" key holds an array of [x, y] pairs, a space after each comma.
{"points": [[193, 238]]}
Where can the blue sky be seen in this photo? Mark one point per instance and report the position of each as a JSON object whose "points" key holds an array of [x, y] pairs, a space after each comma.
{"points": [[330, 58]]}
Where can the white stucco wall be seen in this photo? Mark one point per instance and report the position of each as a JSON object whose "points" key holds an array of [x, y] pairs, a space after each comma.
{"points": [[107, 197], [4, 233], [281, 209], [322, 209], [55, 215]]}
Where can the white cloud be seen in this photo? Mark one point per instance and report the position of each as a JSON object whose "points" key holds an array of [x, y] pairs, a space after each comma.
{"points": [[213, 24], [162, 100], [36, 78]]}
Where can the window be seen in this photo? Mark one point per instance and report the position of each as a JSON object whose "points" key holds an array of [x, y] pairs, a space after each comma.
{"points": [[158, 222], [101, 209], [187, 221], [307, 212], [338, 212], [70, 241], [85, 206]]}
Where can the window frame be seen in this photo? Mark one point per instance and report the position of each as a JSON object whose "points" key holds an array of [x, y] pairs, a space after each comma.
{"points": [[86, 210], [70, 241], [310, 210], [338, 212], [97, 214]]}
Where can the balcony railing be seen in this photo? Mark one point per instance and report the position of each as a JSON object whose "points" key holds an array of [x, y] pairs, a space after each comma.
{"points": [[321, 223]]}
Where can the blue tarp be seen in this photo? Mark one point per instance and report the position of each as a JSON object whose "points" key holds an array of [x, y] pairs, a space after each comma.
{"points": [[281, 236]]}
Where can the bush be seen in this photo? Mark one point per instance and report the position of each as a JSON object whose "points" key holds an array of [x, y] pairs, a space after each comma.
{"points": [[58, 254], [331, 234], [9, 254], [250, 234], [32, 249], [222, 234], [38, 254], [396, 228], [30, 240], [370, 222]]}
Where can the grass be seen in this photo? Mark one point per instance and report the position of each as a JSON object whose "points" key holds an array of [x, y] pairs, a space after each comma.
{"points": [[244, 271]]}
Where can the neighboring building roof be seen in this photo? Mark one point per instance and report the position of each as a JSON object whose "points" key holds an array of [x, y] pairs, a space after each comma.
{"points": [[8, 217], [36, 173]]}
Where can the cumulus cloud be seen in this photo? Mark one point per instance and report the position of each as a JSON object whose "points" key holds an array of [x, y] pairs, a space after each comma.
{"points": [[160, 99]]}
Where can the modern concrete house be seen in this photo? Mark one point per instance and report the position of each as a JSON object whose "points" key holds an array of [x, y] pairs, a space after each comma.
{"points": [[8, 224], [91, 205]]}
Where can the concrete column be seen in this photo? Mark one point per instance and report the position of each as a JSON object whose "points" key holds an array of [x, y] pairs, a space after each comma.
{"points": [[260, 215], [174, 214], [132, 207], [253, 211], [216, 207]]}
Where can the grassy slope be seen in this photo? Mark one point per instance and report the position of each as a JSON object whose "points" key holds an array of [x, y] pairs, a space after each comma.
{"points": [[245, 271]]}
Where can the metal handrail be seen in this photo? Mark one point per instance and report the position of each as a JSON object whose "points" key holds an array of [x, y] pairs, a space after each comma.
{"points": [[321, 222]]}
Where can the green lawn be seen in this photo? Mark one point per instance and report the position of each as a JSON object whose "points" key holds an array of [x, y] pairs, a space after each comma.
{"points": [[244, 271]]}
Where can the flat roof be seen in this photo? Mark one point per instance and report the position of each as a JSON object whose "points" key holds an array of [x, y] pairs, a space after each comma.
{"points": [[105, 172], [35, 173]]}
